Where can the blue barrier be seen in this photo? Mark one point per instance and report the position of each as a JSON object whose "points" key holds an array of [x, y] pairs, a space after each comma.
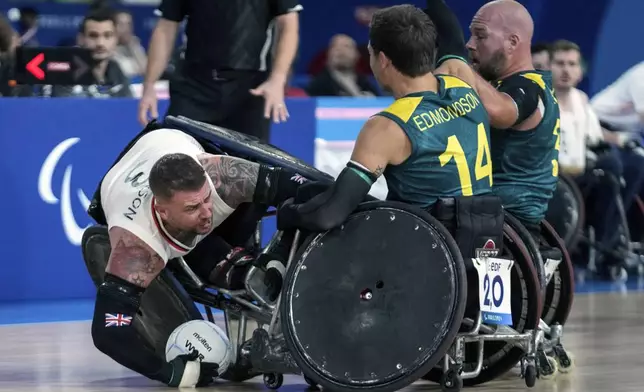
{"points": [[54, 152]]}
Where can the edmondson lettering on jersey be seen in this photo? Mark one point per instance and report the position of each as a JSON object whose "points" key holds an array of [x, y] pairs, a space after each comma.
{"points": [[459, 108]]}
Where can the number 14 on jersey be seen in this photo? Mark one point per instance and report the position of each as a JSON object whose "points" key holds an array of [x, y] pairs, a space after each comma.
{"points": [[495, 298]]}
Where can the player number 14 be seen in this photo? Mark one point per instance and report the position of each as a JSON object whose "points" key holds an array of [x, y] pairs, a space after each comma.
{"points": [[454, 150]]}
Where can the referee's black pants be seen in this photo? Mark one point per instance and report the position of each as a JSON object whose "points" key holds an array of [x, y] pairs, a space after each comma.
{"points": [[225, 101]]}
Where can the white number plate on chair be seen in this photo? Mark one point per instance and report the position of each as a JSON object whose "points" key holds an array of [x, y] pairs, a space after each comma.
{"points": [[494, 290]]}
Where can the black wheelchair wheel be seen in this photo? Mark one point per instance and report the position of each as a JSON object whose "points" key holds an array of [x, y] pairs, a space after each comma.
{"points": [[567, 212], [165, 304], [531, 246], [561, 290], [500, 357], [376, 303], [245, 146]]}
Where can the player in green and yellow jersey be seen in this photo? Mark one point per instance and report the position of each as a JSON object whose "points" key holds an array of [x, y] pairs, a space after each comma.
{"points": [[523, 110], [432, 142]]}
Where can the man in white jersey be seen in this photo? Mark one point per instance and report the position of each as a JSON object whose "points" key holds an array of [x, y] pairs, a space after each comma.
{"points": [[581, 132], [164, 198]]}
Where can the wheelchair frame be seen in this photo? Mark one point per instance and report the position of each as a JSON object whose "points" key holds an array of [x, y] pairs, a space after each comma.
{"points": [[634, 250]]}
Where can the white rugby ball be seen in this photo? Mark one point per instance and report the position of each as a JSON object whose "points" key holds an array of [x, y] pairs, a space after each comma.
{"points": [[201, 335]]}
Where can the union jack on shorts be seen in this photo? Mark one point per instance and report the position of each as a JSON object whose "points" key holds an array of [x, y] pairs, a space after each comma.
{"points": [[117, 320]]}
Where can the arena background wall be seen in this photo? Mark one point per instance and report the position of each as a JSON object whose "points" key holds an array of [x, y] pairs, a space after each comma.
{"points": [[604, 35]]}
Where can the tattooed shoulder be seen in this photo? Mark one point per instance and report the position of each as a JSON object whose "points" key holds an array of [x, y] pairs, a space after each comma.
{"points": [[234, 178], [132, 259]]}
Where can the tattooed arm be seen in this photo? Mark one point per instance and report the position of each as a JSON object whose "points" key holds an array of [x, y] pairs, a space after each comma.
{"points": [[239, 181], [234, 178], [132, 259], [381, 142]]}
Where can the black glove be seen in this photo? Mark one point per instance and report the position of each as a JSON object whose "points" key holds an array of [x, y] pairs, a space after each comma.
{"points": [[309, 190], [600, 148], [183, 366], [450, 39], [288, 217]]}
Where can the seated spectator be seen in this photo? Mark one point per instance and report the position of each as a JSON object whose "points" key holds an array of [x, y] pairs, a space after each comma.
{"points": [[28, 27], [541, 56], [579, 131], [8, 42], [98, 33], [130, 54], [340, 78], [620, 106]]}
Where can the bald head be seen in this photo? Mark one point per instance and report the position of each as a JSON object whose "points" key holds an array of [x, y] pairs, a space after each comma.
{"points": [[501, 38], [510, 17]]}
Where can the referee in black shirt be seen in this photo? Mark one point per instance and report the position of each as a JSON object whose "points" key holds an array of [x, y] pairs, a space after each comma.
{"points": [[226, 78]]}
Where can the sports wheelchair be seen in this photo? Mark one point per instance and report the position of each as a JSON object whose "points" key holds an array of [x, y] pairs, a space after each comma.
{"points": [[568, 214], [391, 279]]}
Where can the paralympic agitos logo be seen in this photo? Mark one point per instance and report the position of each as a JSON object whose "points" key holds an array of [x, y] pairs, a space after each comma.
{"points": [[73, 231]]}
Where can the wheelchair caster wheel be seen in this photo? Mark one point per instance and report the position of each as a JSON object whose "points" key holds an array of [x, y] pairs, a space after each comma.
{"points": [[565, 360], [273, 380], [312, 384], [451, 381], [530, 375], [548, 370]]}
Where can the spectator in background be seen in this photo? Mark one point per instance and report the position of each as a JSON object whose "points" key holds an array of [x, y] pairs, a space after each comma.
{"points": [[579, 124], [620, 106], [541, 56], [130, 54], [9, 39], [579, 131], [98, 33], [28, 27], [340, 78]]}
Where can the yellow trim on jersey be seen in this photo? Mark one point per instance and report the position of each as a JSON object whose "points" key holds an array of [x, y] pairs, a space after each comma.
{"points": [[403, 108], [538, 79], [453, 81]]}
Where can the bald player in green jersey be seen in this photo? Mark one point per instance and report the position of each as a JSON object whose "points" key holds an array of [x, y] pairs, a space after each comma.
{"points": [[523, 110]]}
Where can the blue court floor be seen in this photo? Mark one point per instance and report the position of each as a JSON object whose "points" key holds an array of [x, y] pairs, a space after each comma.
{"points": [[83, 309]]}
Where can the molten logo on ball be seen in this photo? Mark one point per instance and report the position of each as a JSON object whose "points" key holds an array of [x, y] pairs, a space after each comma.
{"points": [[206, 338], [202, 341]]}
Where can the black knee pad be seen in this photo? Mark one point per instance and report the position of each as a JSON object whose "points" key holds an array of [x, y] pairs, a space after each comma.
{"points": [[96, 249]]}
